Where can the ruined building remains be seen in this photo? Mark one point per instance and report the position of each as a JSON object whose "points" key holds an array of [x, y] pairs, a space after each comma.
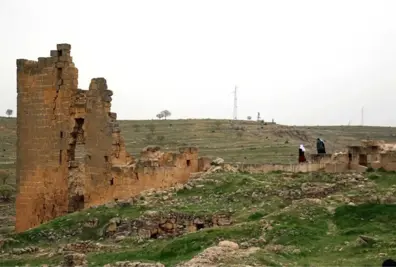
{"points": [[70, 154], [374, 154]]}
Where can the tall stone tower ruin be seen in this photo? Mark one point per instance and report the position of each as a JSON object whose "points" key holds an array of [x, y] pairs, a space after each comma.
{"points": [[54, 155], [45, 89], [70, 153]]}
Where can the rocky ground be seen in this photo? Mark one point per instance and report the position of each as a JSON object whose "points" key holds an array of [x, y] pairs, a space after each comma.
{"points": [[226, 219]]}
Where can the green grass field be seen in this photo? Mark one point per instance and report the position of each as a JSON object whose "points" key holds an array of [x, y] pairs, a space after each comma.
{"points": [[278, 213]]}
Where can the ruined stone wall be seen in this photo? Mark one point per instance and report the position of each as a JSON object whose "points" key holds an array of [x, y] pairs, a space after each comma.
{"points": [[44, 90], [320, 158], [67, 140], [268, 167], [98, 143], [154, 169], [70, 153], [388, 161]]}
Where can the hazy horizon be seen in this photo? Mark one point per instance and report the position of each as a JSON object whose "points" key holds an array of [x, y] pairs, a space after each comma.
{"points": [[307, 62]]}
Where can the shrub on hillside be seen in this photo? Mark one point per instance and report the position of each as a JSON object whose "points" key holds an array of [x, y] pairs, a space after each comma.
{"points": [[137, 127], [6, 192], [4, 175], [217, 124], [151, 128], [149, 137], [160, 138]]}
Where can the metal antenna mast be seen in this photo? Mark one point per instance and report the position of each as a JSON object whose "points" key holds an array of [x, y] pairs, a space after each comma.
{"points": [[235, 115]]}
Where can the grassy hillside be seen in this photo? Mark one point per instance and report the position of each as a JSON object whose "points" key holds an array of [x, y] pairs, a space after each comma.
{"points": [[293, 219], [247, 141], [290, 220]]}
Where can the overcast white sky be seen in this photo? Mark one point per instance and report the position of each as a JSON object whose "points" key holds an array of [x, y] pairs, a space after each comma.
{"points": [[299, 62]]}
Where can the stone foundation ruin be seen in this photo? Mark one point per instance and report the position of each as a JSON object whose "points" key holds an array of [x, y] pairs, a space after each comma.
{"points": [[70, 153], [370, 153]]}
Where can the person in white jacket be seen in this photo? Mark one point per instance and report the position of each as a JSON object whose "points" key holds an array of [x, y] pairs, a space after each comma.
{"points": [[301, 154]]}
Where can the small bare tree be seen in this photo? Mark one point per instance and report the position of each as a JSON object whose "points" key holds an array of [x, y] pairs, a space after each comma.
{"points": [[9, 112], [160, 115], [249, 117]]}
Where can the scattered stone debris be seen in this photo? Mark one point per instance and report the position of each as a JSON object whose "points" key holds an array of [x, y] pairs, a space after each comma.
{"points": [[74, 260], [134, 264], [228, 244], [217, 162], [156, 225], [365, 240], [91, 223], [26, 250], [4, 241], [212, 256], [85, 247], [320, 190]]}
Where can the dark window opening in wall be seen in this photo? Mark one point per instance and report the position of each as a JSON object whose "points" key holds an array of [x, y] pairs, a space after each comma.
{"points": [[116, 199], [350, 157], [106, 158], [363, 160], [58, 73], [137, 176], [61, 134], [112, 181], [76, 203], [70, 153], [60, 156], [59, 53], [188, 163], [200, 226], [76, 149], [79, 124], [154, 235]]}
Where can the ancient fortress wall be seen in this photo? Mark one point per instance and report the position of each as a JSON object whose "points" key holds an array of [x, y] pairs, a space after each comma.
{"points": [[70, 153]]}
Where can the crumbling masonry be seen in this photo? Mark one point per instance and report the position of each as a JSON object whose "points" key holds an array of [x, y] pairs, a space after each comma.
{"points": [[70, 154]]}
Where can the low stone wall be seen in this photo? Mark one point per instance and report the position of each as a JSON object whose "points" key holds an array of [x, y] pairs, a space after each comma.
{"points": [[266, 167]]}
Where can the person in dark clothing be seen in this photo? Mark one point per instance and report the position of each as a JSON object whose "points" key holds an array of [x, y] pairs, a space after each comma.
{"points": [[389, 263], [301, 154], [320, 146]]}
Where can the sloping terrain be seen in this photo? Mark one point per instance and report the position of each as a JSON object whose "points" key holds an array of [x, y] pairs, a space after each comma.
{"points": [[241, 141], [248, 141], [277, 219]]}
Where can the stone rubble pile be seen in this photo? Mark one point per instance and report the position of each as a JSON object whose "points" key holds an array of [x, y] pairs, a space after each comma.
{"points": [[213, 256], [134, 264], [157, 225]]}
